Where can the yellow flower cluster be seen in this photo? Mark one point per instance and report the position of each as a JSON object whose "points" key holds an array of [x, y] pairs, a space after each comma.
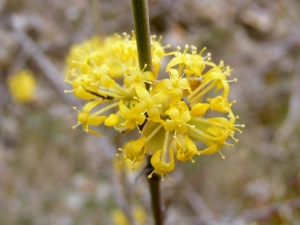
{"points": [[171, 114], [22, 86]]}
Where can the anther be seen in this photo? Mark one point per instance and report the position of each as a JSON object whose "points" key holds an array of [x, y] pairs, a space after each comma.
{"points": [[223, 157], [235, 140], [170, 180], [144, 67]]}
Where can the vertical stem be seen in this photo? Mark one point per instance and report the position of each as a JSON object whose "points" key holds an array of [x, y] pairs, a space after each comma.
{"points": [[154, 188], [142, 33]]}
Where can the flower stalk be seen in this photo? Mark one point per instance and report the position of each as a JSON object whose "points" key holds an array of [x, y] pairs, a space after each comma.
{"points": [[142, 32]]}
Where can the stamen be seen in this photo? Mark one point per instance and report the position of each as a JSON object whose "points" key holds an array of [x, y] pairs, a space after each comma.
{"points": [[170, 180], [207, 57], [202, 50], [159, 39], [221, 64], [238, 130], [133, 161], [193, 48], [150, 175], [74, 127], [235, 140], [76, 62], [233, 80], [227, 144], [76, 109], [191, 126], [223, 157], [175, 133], [137, 126], [186, 48], [68, 91], [106, 108], [144, 67], [81, 53]]}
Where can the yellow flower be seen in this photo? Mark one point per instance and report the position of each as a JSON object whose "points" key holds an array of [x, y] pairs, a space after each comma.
{"points": [[100, 77], [186, 149], [77, 53], [22, 86], [135, 150], [86, 119], [160, 166], [83, 88], [175, 86], [150, 103], [218, 75], [179, 116], [180, 58], [136, 76], [212, 148], [133, 117], [220, 104]]}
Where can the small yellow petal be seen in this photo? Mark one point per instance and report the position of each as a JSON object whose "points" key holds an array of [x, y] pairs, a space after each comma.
{"points": [[112, 120], [199, 109]]}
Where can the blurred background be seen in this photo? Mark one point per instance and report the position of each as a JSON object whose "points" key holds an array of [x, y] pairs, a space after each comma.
{"points": [[52, 175]]}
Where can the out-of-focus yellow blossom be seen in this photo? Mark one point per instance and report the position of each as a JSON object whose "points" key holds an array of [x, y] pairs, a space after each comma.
{"points": [[119, 217], [22, 86], [139, 215], [172, 115]]}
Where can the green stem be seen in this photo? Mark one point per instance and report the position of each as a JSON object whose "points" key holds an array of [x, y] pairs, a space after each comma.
{"points": [[142, 33]]}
